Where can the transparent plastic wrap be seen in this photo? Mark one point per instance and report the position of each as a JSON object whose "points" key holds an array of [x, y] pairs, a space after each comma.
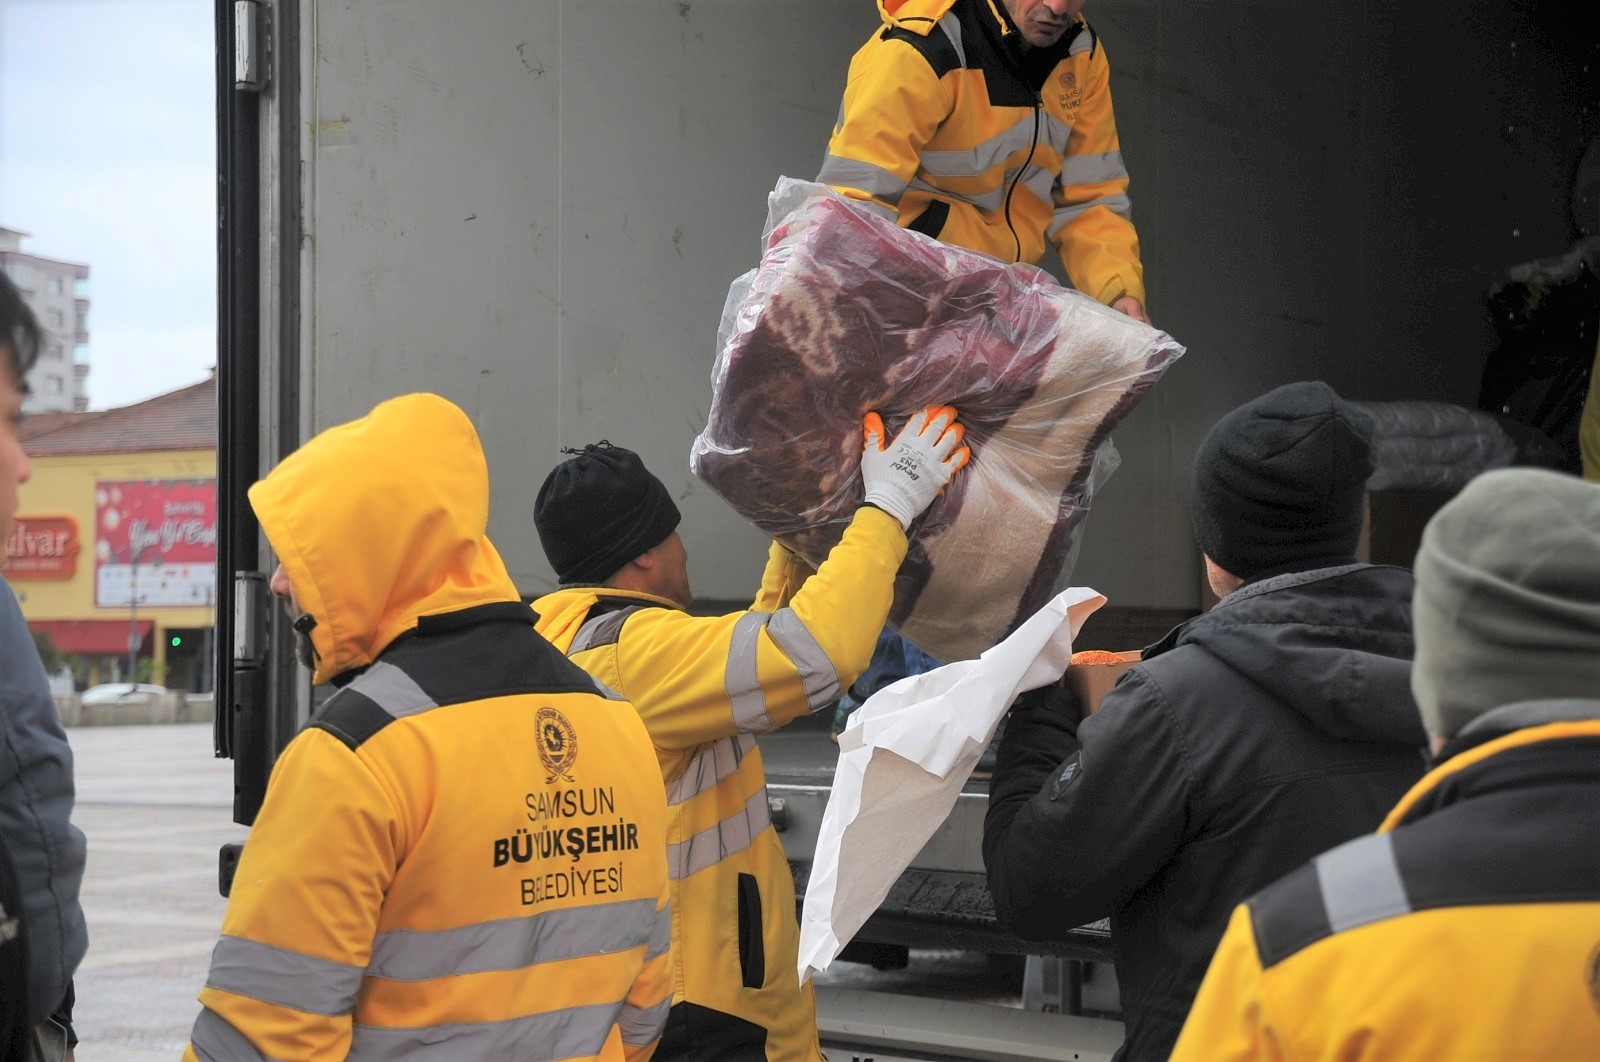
{"points": [[1433, 445], [848, 313]]}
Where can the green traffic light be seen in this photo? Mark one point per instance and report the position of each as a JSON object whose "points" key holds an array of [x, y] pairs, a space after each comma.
{"points": [[176, 641]]}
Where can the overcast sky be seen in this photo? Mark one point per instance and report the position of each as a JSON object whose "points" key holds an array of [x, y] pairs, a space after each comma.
{"points": [[107, 156]]}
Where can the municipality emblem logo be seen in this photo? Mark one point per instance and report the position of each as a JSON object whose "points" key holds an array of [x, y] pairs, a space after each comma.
{"points": [[558, 744]]}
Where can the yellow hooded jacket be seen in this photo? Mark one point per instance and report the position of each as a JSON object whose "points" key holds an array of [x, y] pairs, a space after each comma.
{"points": [[948, 128], [1468, 926], [704, 687], [462, 854]]}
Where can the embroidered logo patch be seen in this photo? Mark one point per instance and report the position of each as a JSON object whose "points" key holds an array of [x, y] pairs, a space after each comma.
{"points": [[1069, 96], [1068, 774], [558, 743]]}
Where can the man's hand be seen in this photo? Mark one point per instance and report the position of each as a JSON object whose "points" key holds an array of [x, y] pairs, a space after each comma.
{"points": [[903, 478], [1131, 306]]}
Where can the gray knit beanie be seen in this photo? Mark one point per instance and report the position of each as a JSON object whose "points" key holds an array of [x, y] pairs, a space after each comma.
{"points": [[1507, 605]]}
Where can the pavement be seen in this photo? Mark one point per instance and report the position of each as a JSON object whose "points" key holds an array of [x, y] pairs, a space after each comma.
{"points": [[156, 805]]}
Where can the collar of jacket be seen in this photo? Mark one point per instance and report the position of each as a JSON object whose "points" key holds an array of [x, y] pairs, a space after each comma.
{"points": [[438, 623], [1286, 581], [1515, 726], [1033, 65], [607, 594], [565, 609]]}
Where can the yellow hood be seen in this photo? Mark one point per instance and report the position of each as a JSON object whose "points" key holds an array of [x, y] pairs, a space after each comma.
{"points": [[380, 521], [918, 16]]}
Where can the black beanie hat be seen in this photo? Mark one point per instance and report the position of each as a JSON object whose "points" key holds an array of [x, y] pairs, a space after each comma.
{"points": [[1278, 483], [598, 511]]}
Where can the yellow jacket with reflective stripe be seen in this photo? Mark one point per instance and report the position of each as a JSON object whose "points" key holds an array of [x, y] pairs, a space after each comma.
{"points": [[704, 686], [462, 854], [942, 131], [1467, 927]]}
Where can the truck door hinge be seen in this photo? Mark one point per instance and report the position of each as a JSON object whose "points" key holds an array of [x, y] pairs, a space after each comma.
{"points": [[250, 598], [250, 46]]}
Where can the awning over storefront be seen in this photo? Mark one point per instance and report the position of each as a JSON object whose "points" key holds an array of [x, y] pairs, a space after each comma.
{"points": [[91, 637]]}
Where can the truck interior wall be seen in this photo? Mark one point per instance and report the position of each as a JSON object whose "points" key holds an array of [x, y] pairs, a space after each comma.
{"points": [[535, 208], [1324, 192]]}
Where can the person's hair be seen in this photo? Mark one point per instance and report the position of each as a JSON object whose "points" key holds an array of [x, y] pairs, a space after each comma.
{"points": [[19, 331]]}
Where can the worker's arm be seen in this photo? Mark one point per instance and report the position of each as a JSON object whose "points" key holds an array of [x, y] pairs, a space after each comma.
{"points": [[298, 932], [893, 105], [698, 679], [1093, 223], [785, 574], [644, 1012], [1229, 1016], [1067, 845], [36, 798]]}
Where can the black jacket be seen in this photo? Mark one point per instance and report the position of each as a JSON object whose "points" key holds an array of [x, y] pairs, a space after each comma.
{"points": [[1248, 740]]}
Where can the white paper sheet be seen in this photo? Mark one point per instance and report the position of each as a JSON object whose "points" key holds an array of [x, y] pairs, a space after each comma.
{"points": [[903, 760]]}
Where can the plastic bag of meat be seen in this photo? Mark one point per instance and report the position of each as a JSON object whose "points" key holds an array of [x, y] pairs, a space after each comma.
{"points": [[848, 313]]}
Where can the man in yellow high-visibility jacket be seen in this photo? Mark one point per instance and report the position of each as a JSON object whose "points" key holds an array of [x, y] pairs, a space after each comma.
{"points": [[987, 124], [705, 685], [461, 855]]}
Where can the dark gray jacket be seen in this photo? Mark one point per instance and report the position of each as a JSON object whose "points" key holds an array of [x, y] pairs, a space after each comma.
{"points": [[47, 851], [1248, 740]]}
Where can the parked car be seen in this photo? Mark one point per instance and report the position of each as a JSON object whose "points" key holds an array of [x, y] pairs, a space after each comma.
{"points": [[113, 692]]}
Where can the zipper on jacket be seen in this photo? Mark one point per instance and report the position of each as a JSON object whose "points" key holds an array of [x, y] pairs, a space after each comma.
{"points": [[1038, 104]]}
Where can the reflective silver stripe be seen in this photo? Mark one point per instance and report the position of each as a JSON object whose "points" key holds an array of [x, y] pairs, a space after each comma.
{"points": [[821, 678], [392, 690], [284, 978], [1361, 883], [1082, 42], [512, 943], [660, 934], [1093, 169], [1118, 204], [1039, 182], [873, 207], [742, 679], [729, 837], [717, 761], [952, 29], [1055, 133], [989, 201], [982, 157], [216, 1040], [576, 1032], [862, 176], [606, 691], [640, 1027], [603, 629]]}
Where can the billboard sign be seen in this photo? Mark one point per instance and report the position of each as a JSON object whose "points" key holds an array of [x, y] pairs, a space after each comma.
{"points": [[155, 542], [42, 547]]}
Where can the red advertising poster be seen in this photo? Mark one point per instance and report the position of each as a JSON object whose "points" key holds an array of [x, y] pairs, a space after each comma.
{"points": [[155, 542], [42, 547]]}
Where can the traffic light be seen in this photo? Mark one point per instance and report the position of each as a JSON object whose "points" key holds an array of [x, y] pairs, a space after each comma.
{"points": [[177, 641]]}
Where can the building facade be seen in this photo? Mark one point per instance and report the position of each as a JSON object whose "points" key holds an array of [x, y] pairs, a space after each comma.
{"points": [[114, 553], [58, 293]]}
